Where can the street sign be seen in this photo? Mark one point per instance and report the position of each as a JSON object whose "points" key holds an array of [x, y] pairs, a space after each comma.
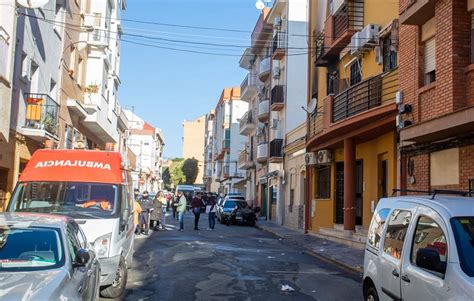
{"points": [[141, 181]]}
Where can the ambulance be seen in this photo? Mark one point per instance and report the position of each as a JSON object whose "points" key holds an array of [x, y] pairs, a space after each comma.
{"points": [[94, 188]]}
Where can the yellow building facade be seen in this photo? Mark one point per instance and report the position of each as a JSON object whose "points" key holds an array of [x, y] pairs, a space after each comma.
{"points": [[351, 145]]}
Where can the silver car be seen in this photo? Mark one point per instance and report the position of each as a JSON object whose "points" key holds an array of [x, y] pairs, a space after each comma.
{"points": [[45, 257]]}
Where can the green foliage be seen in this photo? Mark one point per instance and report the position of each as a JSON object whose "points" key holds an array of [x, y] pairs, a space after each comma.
{"points": [[176, 172], [190, 170], [167, 178]]}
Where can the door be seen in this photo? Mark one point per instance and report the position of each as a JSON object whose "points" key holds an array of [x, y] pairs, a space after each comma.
{"points": [[383, 176], [79, 279], [264, 200], [359, 191], [392, 251], [339, 192], [422, 283]]}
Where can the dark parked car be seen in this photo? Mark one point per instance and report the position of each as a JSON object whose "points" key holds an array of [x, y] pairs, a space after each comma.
{"points": [[223, 212], [45, 257]]}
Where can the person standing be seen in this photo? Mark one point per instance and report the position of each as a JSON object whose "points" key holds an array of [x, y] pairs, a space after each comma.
{"points": [[147, 206], [155, 216], [164, 202], [181, 209], [211, 210], [196, 205], [174, 204]]}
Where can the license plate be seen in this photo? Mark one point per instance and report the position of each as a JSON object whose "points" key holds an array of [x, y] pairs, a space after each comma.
{"points": [[239, 218]]}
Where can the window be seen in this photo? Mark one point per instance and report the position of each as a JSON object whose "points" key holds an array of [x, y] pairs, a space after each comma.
{"points": [[324, 182], [429, 235], [396, 231], [376, 228], [356, 72], [463, 229], [25, 66], [389, 54], [429, 61], [72, 243]]}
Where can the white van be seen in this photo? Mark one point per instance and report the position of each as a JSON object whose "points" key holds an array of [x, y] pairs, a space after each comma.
{"points": [[420, 248], [93, 188]]}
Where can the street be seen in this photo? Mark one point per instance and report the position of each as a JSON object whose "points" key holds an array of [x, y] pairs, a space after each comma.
{"points": [[230, 263]]}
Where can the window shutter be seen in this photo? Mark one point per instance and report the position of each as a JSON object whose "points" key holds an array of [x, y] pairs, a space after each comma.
{"points": [[430, 56]]}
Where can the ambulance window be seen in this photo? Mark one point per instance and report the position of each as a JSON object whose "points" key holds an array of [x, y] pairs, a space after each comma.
{"points": [[124, 203]]}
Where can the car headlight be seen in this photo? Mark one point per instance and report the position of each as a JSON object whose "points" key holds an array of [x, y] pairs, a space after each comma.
{"points": [[102, 245]]}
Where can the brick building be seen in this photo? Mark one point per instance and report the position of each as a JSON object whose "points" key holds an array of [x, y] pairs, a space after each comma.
{"points": [[437, 103]]}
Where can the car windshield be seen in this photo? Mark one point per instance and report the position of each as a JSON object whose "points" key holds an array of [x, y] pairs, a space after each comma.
{"points": [[463, 228], [232, 204], [79, 200], [30, 249]]}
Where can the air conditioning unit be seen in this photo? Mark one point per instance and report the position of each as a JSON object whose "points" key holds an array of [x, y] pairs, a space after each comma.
{"points": [[261, 90], [369, 35], [276, 72], [324, 157], [310, 159], [277, 22], [355, 43], [274, 123]]}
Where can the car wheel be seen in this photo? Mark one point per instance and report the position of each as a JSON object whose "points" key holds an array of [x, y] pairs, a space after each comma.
{"points": [[222, 220], [370, 294], [117, 288]]}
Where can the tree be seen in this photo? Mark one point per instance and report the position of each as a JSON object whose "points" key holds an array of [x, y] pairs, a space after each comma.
{"points": [[176, 172], [167, 178], [190, 170]]}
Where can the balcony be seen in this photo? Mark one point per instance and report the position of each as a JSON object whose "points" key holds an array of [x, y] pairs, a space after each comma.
{"points": [[261, 32], [246, 160], [248, 87], [263, 110], [225, 145], [226, 171], [418, 12], [365, 96], [247, 124], [262, 152], [97, 119], [279, 45], [319, 50], [264, 68], [41, 118], [276, 154], [277, 98], [341, 26]]}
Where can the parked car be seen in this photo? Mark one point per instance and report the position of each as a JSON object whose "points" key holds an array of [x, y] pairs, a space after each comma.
{"points": [[45, 257], [224, 211], [420, 248], [92, 187]]}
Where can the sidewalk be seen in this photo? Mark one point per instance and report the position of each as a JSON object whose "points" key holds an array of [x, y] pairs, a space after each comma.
{"points": [[339, 254]]}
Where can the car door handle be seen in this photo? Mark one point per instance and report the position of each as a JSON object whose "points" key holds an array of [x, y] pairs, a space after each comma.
{"points": [[395, 273], [405, 278]]}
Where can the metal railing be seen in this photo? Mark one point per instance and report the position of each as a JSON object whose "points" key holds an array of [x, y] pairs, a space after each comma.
{"points": [[279, 41], [263, 107], [315, 124], [350, 16], [276, 147], [42, 112], [262, 150], [365, 95], [246, 119], [277, 95], [319, 45]]}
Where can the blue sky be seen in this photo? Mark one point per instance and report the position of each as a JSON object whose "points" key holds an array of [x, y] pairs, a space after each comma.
{"points": [[166, 87]]}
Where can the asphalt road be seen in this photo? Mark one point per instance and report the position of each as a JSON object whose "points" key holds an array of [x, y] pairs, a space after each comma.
{"points": [[231, 263]]}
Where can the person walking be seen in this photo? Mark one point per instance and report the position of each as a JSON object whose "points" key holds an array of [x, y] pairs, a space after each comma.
{"points": [[174, 204], [161, 198], [156, 214], [181, 209], [211, 210], [196, 205], [147, 206]]}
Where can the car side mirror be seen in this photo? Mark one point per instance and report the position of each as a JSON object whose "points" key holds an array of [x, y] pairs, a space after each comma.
{"points": [[124, 217], [429, 259], [82, 258]]}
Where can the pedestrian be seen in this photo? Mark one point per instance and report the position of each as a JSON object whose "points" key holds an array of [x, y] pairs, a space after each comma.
{"points": [[211, 210], [181, 209], [196, 205], [144, 218], [136, 216], [174, 204], [156, 214], [161, 198]]}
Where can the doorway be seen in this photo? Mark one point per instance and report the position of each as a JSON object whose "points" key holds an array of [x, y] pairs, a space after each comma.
{"points": [[359, 191], [263, 194], [339, 192], [3, 187]]}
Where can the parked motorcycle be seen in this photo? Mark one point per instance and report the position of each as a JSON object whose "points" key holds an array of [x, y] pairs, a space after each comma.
{"points": [[244, 216]]}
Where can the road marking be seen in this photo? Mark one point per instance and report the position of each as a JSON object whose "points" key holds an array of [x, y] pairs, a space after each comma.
{"points": [[302, 272]]}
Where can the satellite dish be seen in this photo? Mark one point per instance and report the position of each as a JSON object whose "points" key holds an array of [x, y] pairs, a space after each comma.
{"points": [[260, 5], [32, 3], [312, 105]]}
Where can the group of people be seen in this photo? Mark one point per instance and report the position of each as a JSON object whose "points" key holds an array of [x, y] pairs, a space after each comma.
{"points": [[150, 213]]}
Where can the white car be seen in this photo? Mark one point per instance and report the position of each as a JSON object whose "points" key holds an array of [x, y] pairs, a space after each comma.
{"points": [[420, 248]]}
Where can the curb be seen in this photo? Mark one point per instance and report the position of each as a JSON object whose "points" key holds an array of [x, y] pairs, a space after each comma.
{"points": [[328, 259]]}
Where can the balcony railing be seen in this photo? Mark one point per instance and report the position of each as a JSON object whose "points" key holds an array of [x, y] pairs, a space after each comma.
{"points": [[365, 95], [319, 49], [315, 124], [350, 16], [246, 123], [262, 152], [248, 86], [42, 113], [264, 68], [277, 97], [279, 45], [263, 109], [276, 147], [245, 159]]}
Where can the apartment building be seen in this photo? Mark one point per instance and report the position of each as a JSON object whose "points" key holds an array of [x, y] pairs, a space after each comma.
{"points": [[7, 47], [436, 108], [352, 142], [193, 143], [209, 182], [146, 143], [227, 141]]}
